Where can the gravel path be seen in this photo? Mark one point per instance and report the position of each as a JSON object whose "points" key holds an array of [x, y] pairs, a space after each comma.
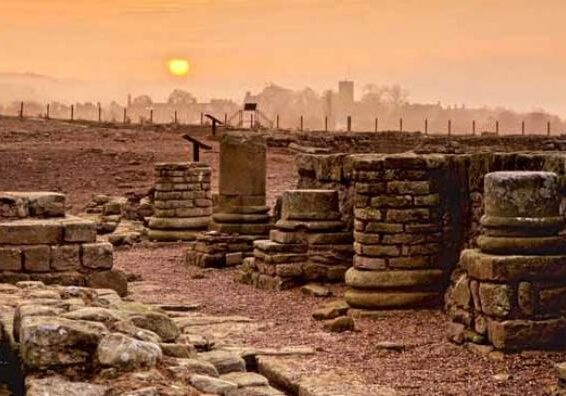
{"points": [[428, 366]]}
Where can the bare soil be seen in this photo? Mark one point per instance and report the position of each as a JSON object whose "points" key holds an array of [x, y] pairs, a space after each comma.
{"points": [[80, 160]]}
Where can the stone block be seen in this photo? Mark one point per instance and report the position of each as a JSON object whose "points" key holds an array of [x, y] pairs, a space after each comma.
{"points": [[242, 165], [415, 261], [36, 258], [380, 300], [233, 259], [385, 228], [10, 259], [113, 279], [171, 235], [391, 201], [407, 215], [310, 205], [97, 255], [424, 279], [527, 334], [409, 187], [65, 257], [522, 194], [43, 204], [496, 299], [77, 230], [368, 214], [13, 207], [189, 223], [369, 263], [525, 298], [31, 232], [512, 268], [552, 299]]}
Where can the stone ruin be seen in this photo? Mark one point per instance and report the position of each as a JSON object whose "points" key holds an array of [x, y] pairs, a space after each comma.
{"points": [[308, 243], [39, 242], [240, 212], [398, 233], [182, 201], [241, 203], [511, 291]]}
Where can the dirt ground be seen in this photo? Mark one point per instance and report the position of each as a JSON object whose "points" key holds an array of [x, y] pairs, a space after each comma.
{"points": [[80, 160]]}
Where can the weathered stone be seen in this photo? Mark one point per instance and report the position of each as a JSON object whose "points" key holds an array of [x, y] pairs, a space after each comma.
{"points": [[79, 230], [126, 353], [243, 380], [65, 257], [521, 194], [160, 324], [188, 223], [49, 341], [310, 205], [36, 258], [359, 279], [181, 351], [384, 299], [339, 325], [10, 259], [112, 279], [523, 334], [316, 290], [97, 255], [242, 155], [31, 232], [57, 386], [331, 310], [212, 385], [225, 362], [553, 245], [496, 299]]}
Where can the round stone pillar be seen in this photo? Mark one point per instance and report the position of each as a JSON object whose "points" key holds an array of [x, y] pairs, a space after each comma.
{"points": [[511, 292]]}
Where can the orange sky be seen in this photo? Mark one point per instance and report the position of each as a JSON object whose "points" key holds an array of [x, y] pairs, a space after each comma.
{"points": [[493, 52]]}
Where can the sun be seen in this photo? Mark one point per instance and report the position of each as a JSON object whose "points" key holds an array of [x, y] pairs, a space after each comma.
{"points": [[179, 67]]}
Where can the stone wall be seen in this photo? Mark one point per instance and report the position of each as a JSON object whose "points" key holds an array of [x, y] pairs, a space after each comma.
{"points": [[457, 180], [182, 201], [39, 242]]}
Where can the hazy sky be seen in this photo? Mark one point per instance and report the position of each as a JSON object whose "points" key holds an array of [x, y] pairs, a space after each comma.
{"points": [[506, 52]]}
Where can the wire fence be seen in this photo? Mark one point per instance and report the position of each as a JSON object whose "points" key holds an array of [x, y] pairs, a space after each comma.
{"points": [[256, 120]]}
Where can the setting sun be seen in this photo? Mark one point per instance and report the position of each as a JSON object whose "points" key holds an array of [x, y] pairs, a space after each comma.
{"points": [[179, 67]]}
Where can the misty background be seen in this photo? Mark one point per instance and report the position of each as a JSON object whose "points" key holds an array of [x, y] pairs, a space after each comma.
{"points": [[481, 60]]}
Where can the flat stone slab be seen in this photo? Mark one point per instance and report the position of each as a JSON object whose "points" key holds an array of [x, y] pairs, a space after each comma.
{"points": [[310, 205]]}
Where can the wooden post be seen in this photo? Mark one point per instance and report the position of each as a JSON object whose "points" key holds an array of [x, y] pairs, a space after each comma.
{"points": [[125, 115], [376, 124], [22, 109], [400, 124], [325, 123], [151, 116], [99, 112], [72, 112], [175, 117], [523, 128], [277, 122], [548, 128], [47, 113], [497, 128], [252, 121], [474, 127], [201, 119], [449, 127], [225, 119], [349, 123], [426, 126], [301, 127]]}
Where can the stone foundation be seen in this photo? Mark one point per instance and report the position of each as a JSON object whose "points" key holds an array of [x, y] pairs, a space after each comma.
{"points": [[308, 243], [241, 204], [216, 250], [38, 242], [182, 201], [511, 292]]}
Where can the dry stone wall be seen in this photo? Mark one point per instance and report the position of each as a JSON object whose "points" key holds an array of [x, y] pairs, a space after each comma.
{"points": [[442, 191], [38, 242], [511, 292], [182, 201]]}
